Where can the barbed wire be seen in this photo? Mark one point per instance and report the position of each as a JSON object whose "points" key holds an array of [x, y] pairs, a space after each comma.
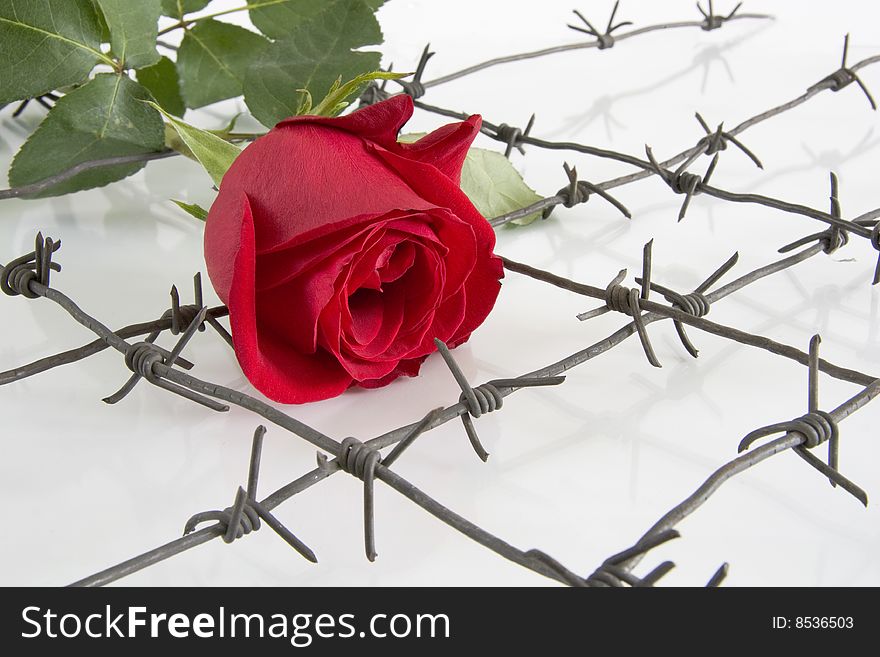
{"points": [[29, 276]]}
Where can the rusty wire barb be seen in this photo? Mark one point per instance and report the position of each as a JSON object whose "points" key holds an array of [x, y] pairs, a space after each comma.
{"points": [[605, 39], [843, 77], [713, 21]]}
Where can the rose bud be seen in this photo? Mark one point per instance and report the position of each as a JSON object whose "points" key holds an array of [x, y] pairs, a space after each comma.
{"points": [[342, 253]]}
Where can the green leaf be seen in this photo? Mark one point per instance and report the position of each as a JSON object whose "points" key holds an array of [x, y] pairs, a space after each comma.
{"points": [[104, 118], [312, 57], [178, 8], [495, 187], [45, 45], [279, 18], [212, 61], [161, 80], [133, 28], [193, 209], [212, 152], [336, 99], [102, 22], [175, 143]]}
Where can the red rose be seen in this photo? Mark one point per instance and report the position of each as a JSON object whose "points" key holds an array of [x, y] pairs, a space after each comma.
{"points": [[342, 254]]}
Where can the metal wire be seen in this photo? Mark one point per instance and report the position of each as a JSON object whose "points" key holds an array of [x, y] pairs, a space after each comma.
{"points": [[29, 276]]}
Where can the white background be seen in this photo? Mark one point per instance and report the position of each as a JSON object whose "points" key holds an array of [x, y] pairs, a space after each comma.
{"points": [[579, 471]]}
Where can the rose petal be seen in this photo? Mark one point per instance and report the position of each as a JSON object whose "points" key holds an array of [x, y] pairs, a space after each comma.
{"points": [[483, 284], [378, 123], [302, 182], [279, 372], [407, 367], [446, 148]]}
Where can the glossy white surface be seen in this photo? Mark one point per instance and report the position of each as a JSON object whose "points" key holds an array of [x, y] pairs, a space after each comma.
{"points": [[579, 471]]}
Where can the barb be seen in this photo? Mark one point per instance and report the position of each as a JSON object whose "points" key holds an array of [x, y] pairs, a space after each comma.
{"points": [[484, 398], [744, 462], [414, 87], [578, 191], [609, 573], [245, 514], [629, 302], [712, 21], [142, 355], [18, 276], [513, 137], [681, 181], [360, 460], [97, 346], [815, 428], [605, 39], [843, 77], [694, 303], [613, 571], [717, 140], [834, 237]]}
